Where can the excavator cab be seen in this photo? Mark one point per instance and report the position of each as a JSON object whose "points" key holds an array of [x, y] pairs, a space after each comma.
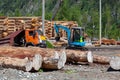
{"points": [[77, 34], [77, 37], [35, 38]]}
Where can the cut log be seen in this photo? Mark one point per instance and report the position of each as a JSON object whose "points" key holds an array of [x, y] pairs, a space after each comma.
{"points": [[23, 64], [79, 56], [101, 59], [28, 66], [56, 62], [90, 57], [15, 63], [86, 56], [115, 63], [36, 56], [34, 60], [52, 59], [37, 62]]}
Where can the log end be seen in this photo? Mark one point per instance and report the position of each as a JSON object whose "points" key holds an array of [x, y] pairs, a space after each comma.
{"points": [[115, 63], [56, 62], [37, 62], [62, 60], [90, 57], [28, 66]]}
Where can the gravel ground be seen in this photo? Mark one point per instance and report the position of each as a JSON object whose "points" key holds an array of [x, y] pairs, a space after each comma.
{"points": [[69, 72]]}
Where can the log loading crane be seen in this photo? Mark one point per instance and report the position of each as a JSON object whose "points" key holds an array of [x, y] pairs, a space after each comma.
{"points": [[75, 35]]}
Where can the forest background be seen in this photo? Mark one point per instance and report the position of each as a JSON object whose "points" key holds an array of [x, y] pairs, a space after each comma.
{"points": [[85, 12]]}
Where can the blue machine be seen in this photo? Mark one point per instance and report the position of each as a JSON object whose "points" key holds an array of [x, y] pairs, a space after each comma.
{"points": [[74, 36]]}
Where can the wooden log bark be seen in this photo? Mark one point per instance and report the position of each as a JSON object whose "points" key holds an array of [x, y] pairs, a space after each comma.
{"points": [[23, 64], [36, 56], [86, 56], [101, 59], [52, 59], [56, 62], [79, 56], [48, 58], [13, 62], [34, 59]]}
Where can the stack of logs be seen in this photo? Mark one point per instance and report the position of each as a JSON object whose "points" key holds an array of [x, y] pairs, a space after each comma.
{"points": [[34, 58], [106, 41], [16, 23], [31, 58]]}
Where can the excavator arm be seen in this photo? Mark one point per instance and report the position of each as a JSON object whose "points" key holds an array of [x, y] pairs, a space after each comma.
{"points": [[57, 27]]}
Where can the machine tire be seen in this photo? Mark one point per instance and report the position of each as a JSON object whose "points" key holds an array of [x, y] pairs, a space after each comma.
{"points": [[42, 45], [29, 44], [22, 41]]}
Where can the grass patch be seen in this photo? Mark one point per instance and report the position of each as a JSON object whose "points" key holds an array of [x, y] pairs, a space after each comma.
{"points": [[49, 44], [70, 71]]}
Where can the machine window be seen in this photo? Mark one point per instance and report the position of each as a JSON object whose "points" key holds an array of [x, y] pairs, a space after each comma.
{"points": [[31, 33], [40, 32]]}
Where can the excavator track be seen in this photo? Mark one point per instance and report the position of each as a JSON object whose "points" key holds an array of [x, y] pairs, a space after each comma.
{"points": [[92, 48], [78, 48]]}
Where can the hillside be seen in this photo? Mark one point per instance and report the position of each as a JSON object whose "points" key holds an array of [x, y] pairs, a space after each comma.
{"points": [[85, 12]]}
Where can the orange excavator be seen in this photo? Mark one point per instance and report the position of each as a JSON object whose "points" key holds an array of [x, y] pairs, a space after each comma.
{"points": [[35, 38], [27, 37]]}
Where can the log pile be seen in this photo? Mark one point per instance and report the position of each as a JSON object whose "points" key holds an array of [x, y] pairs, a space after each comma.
{"points": [[28, 59], [106, 41], [118, 42], [34, 58], [12, 24], [109, 41]]}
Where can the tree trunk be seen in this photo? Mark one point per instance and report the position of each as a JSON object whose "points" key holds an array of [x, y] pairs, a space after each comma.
{"points": [[86, 56], [23, 64], [79, 56], [101, 59], [56, 62], [34, 59], [37, 57], [13, 62]]}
